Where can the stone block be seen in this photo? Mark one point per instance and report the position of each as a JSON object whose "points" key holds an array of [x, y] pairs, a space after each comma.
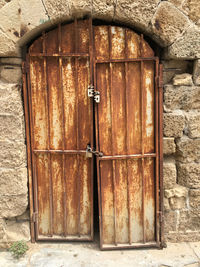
{"points": [[192, 9], [188, 174], [177, 203], [195, 264], [13, 181], [12, 206], [173, 67], [57, 9], [193, 122], [8, 47], [169, 146], [166, 204], [14, 231], [169, 174], [177, 191], [183, 79], [190, 236], [13, 154], [182, 97], [194, 200], [2, 3], [11, 60], [196, 72], [11, 128], [171, 220], [17, 18], [10, 74], [188, 150], [169, 23], [138, 13], [187, 46], [10, 99], [188, 221], [103, 9], [174, 124]]}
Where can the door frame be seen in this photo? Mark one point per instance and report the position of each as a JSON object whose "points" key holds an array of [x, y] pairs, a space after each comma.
{"points": [[159, 139]]}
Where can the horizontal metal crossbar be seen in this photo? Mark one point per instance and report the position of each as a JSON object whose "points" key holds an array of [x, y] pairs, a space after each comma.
{"points": [[133, 156], [98, 61], [59, 55], [60, 151]]}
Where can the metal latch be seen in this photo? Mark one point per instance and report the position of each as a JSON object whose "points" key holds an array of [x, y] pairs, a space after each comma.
{"points": [[90, 151], [92, 93]]}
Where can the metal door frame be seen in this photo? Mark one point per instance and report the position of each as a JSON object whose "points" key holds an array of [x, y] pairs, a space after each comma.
{"points": [[159, 136]]}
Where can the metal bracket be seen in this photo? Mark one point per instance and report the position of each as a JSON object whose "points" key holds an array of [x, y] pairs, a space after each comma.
{"points": [[90, 91], [94, 94], [97, 96]]}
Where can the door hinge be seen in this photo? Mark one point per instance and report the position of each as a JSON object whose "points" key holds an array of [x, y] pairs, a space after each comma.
{"points": [[94, 94], [34, 216]]}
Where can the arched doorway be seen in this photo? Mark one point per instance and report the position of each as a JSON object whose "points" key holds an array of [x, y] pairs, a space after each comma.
{"points": [[92, 96]]}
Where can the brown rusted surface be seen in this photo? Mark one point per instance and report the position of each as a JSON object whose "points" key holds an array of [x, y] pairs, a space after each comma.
{"points": [[123, 68], [62, 123], [126, 136], [30, 180]]}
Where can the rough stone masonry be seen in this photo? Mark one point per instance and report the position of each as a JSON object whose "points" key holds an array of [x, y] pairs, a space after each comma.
{"points": [[175, 26]]}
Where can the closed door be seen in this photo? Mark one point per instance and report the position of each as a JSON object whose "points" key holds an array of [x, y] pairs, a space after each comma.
{"points": [[71, 69]]}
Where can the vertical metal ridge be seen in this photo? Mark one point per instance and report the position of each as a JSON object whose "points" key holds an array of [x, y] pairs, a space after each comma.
{"points": [[127, 143], [127, 151], [157, 154], [77, 122], [111, 109], [96, 117], [63, 131], [29, 160], [161, 151], [142, 139], [49, 155], [32, 146], [91, 53]]}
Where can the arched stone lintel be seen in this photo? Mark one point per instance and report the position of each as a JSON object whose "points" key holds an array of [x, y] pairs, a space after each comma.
{"points": [[163, 22]]}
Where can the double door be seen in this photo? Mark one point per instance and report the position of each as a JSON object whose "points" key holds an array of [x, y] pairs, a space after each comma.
{"points": [[92, 97]]}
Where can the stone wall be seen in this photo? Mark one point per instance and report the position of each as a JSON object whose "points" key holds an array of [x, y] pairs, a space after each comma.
{"points": [[13, 172], [182, 154], [175, 26]]}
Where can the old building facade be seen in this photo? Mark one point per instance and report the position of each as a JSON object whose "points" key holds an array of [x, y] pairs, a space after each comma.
{"points": [[174, 26]]}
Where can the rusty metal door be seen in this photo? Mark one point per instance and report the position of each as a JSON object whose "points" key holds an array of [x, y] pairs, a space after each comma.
{"points": [[66, 69], [127, 134], [61, 127]]}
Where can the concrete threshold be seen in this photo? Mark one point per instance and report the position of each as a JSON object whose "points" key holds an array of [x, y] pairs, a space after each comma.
{"points": [[84, 254]]}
